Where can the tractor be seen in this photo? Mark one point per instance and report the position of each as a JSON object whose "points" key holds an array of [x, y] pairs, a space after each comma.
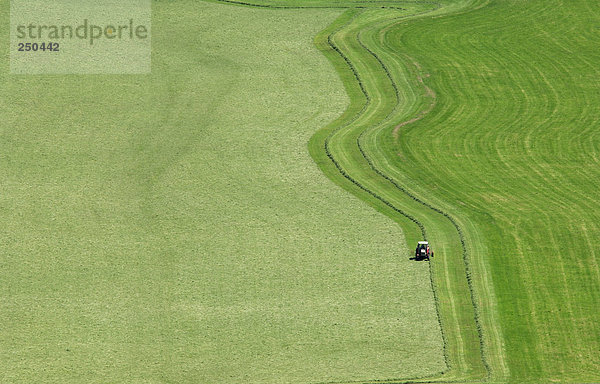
{"points": [[423, 251]]}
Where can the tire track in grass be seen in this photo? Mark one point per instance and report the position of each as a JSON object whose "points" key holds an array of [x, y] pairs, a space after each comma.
{"points": [[594, 257], [346, 175], [545, 178], [375, 195], [532, 171], [356, 5], [428, 92], [450, 218], [478, 140], [420, 115], [362, 187], [387, 119], [584, 202]]}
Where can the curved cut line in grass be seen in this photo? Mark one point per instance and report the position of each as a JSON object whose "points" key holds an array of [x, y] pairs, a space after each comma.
{"points": [[360, 7], [362, 4], [465, 253]]}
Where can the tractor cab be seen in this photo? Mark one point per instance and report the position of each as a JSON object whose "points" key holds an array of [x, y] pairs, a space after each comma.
{"points": [[423, 251]]}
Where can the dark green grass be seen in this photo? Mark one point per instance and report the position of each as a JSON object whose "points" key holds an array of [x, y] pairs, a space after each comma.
{"points": [[509, 152], [500, 169]]}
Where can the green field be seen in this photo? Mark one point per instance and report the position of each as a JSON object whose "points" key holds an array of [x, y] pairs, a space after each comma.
{"points": [[175, 227]]}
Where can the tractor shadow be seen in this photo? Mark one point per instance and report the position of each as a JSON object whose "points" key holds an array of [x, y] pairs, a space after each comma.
{"points": [[415, 258]]}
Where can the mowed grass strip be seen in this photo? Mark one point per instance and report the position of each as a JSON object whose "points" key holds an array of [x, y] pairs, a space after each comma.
{"points": [[374, 103], [377, 105], [509, 151], [173, 227]]}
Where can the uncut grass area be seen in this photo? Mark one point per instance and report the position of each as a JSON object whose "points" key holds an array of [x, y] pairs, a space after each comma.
{"points": [[173, 228]]}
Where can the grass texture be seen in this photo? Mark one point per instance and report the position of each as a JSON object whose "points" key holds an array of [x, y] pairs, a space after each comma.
{"points": [[172, 228], [470, 123]]}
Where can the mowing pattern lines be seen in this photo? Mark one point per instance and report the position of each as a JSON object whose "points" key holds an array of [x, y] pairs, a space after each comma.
{"points": [[355, 126]]}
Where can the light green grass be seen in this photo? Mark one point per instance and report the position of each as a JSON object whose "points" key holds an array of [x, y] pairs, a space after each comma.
{"points": [[505, 92], [173, 228], [357, 38]]}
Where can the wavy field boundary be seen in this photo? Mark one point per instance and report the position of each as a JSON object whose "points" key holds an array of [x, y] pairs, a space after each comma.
{"points": [[381, 97], [377, 110], [515, 134]]}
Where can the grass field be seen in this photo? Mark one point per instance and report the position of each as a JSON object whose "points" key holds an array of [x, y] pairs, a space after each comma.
{"points": [[173, 227], [477, 125]]}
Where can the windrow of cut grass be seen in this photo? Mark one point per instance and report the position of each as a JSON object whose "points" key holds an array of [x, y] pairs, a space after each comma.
{"points": [[376, 92], [179, 236]]}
